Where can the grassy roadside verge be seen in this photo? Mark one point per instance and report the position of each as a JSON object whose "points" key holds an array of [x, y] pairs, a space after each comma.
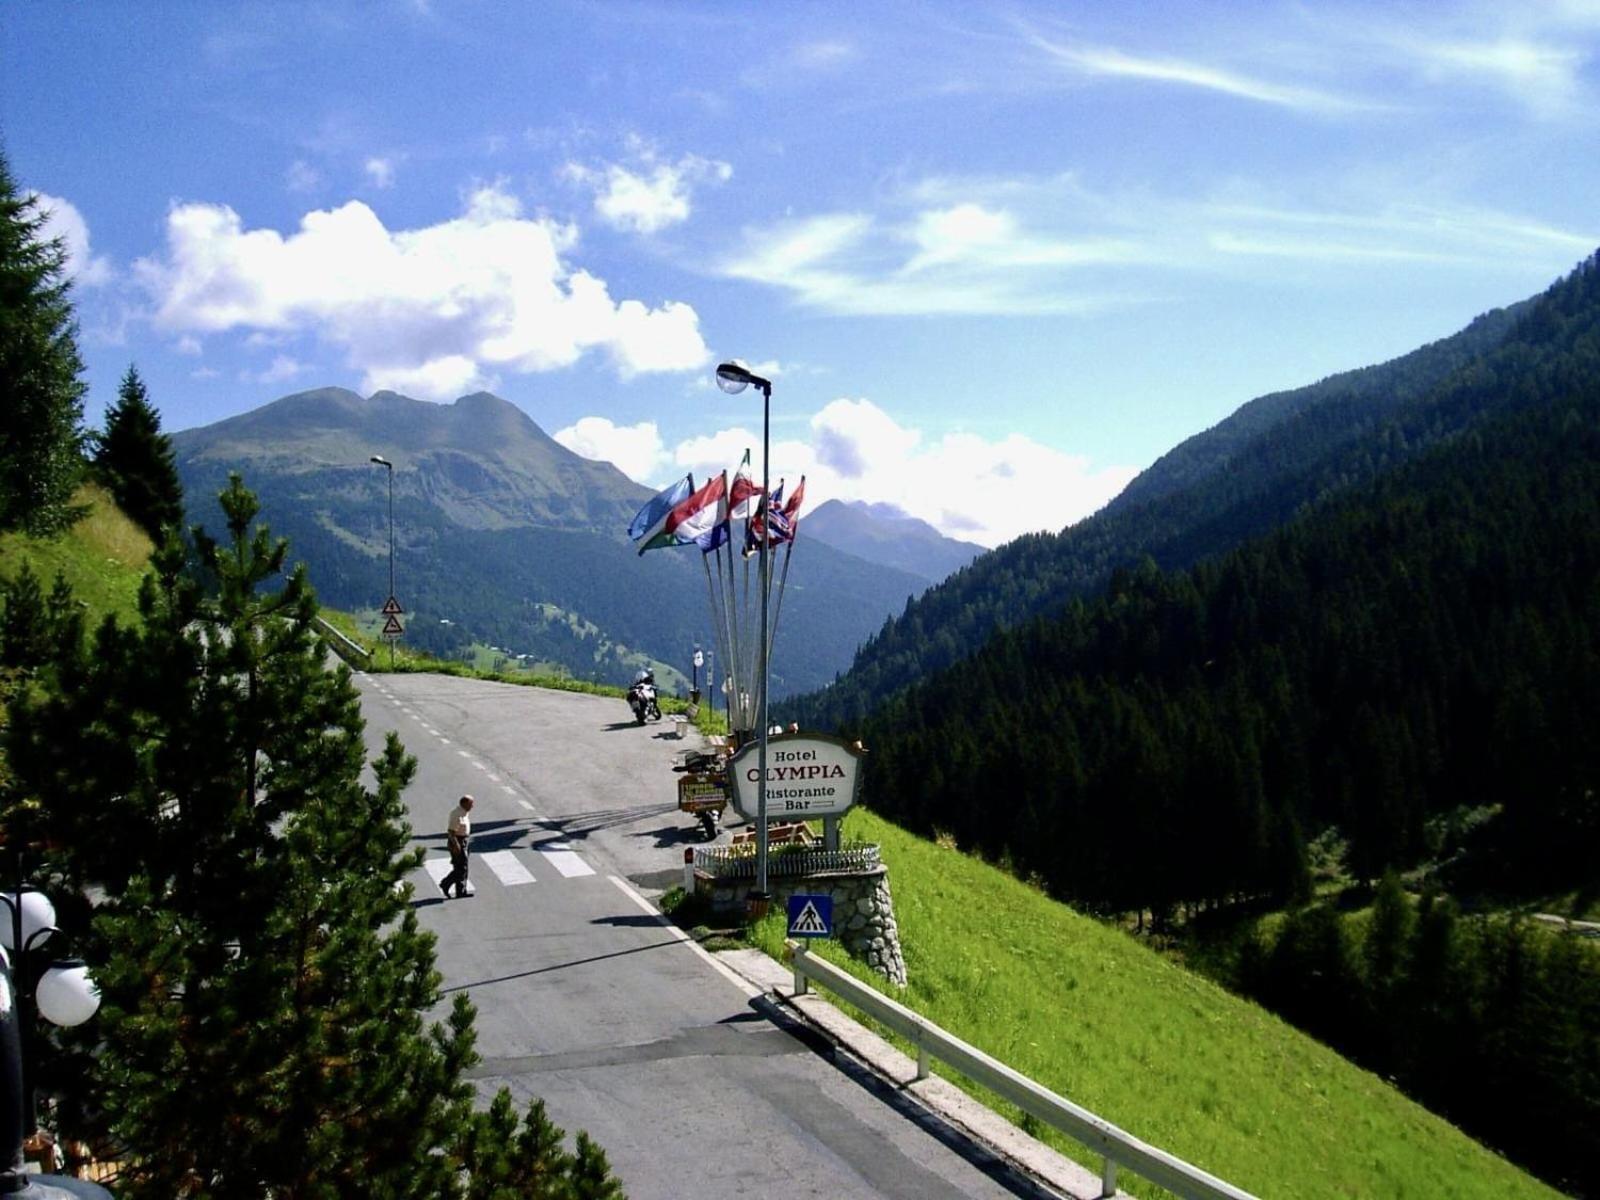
{"points": [[408, 661], [103, 557], [1160, 1051]]}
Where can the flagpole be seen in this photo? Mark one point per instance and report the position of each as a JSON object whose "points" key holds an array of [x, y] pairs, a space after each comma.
{"points": [[788, 551]]}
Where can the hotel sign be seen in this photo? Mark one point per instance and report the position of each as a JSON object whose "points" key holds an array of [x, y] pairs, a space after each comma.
{"points": [[808, 775]]}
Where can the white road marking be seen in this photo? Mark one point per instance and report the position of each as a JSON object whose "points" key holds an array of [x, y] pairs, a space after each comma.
{"points": [[564, 859], [437, 868], [522, 802], [733, 977], [445, 740], [429, 729], [507, 867], [464, 754], [493, 778]]}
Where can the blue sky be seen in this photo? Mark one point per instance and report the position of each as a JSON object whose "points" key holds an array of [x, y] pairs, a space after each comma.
{"points": [[996, 258]]}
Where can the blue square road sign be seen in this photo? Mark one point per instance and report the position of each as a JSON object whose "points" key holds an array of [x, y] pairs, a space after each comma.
{"points": [[810, 916]]}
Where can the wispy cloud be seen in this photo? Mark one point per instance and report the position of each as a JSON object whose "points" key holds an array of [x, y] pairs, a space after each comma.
{"points": [[1114, 63], [379, 171], [1050, 245], [301, 176], [966, 258]]}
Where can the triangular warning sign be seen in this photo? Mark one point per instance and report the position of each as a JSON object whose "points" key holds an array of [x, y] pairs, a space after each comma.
{"points": [[391, 627], [809, 920], [391, 607]]}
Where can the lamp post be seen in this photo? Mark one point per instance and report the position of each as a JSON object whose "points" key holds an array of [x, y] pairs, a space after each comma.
{"points": [[389, 467], [61, 992], [733, 377]]}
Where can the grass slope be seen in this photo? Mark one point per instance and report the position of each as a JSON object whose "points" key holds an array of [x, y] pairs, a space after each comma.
{"points": [[103, 558], [1160, 1051]]}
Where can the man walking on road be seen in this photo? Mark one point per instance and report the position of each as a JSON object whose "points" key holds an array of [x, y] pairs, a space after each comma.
{"points": [[458, 831]]}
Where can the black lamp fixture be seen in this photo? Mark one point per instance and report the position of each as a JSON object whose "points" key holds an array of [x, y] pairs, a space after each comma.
{"points": [[59, 990]]}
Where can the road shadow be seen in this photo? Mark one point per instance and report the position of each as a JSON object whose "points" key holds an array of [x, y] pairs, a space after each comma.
{"points": [[616, 725], [629, 921], [581, 825], [672, 835]]}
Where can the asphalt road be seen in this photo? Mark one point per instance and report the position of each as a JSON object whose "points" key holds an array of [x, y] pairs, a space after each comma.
{"points": [[693, 1086]]}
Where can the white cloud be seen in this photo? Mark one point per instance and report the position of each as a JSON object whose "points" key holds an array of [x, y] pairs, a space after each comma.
{"points": [[63, 220], [380, 172], [964, 485], [436, 309], [636, 450], [650, 199], [188, 345]]}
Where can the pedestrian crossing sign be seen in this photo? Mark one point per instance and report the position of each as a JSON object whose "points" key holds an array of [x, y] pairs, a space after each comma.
{"points": [[810, 916]]}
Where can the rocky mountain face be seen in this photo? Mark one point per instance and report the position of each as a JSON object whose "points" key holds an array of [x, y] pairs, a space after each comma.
{"points": [[504, 536]]}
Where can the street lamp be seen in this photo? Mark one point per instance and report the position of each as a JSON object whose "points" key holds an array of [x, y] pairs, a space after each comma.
{"points": [[61, 992], [389, 467], [733, 377]]}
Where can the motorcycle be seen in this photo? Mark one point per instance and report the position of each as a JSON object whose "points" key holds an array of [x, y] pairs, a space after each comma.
{"points": [[642, 699]]}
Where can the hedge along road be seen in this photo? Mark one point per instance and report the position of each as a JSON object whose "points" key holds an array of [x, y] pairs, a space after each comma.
{"points": [[693, 1086]]}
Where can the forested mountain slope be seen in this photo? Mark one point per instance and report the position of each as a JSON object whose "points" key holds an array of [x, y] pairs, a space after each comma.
{"points": [[1423, 642], [1248, 475]]}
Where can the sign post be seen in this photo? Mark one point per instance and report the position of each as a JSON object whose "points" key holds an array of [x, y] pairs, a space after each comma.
{"points": [[391, 625]]}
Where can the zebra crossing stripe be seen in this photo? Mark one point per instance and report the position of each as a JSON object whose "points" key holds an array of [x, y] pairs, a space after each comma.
{"points": [[507, 867], [563, 859], [437, 868]]}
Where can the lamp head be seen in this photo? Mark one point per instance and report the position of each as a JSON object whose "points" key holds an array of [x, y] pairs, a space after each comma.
{"points": [[66, 994], [382, 461], [38, 917], [735, 375]]}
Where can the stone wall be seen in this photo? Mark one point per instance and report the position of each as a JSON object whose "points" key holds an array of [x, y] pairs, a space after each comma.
{"points": [[863, 910]]}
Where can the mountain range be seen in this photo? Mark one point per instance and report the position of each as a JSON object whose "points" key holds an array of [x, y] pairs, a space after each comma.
{"points": [[887, 534], [503, 536]]}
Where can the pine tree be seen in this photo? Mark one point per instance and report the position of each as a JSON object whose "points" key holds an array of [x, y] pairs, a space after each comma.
{"points": [[136, 460], [264, 976], [41, 417]]}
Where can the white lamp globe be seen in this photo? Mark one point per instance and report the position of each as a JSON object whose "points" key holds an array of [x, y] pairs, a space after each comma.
{"points": [[66, 995], [37, 914], [733, 376]]}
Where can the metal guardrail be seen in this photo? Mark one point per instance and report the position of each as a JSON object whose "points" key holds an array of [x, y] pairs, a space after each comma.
{"points": [[1117, 1146], [727, 862], [355, 648]]}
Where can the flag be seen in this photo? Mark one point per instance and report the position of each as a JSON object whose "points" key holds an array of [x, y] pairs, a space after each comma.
{"points": [[721, 531], [742, 496], [692, 518], [752, 527], [650, 518], [703, 513], [786, 522]]}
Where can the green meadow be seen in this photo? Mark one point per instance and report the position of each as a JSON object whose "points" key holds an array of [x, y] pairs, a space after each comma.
{"points": [[1172, 1058]]}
